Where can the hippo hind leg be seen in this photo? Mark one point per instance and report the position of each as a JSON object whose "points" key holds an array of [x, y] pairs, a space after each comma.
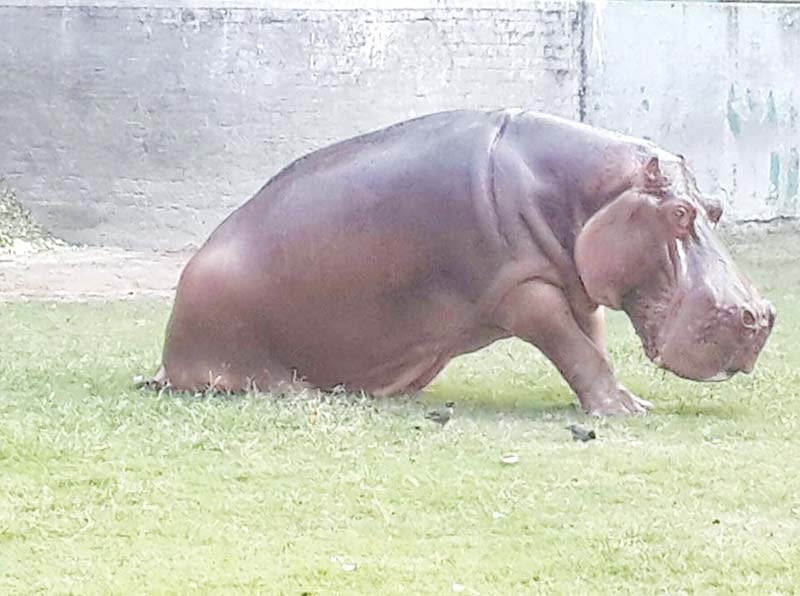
{"points": [[207, 351], [217, 337]]}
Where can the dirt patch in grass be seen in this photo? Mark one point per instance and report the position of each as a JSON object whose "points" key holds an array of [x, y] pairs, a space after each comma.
{"points": [[80, 273], [36, 266], [85, 273]]}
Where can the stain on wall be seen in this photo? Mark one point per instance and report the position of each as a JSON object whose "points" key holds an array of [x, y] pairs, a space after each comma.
{"points": [[722, 84], [145, 126], [792, 195]]}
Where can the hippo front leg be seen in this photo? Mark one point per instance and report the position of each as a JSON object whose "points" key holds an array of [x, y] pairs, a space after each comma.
{"points": [[539, 312]]}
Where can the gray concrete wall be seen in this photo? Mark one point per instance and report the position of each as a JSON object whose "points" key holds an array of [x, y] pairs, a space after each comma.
{"points": [[719, 83], [145, 126]]}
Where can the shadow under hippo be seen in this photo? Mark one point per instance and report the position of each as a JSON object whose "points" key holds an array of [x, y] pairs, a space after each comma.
{"points": [[372, 262]]}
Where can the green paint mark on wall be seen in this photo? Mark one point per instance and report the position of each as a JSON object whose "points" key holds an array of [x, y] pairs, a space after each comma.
{"points": [[774, 176], [751, 103], [772, 112], [793, 179], [734, 120]]}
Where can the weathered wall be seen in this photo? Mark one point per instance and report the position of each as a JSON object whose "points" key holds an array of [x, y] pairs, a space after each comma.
{"points": [[146, 126], [719, 83]]}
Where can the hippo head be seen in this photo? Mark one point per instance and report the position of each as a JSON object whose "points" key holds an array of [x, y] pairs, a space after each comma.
{"points": [[652, 252]]}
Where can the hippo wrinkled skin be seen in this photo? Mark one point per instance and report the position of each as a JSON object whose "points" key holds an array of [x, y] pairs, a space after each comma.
{"points": [[372, 262]]}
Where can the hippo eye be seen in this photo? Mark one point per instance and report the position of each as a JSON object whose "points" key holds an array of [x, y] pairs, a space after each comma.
{"points": [[682, 216]]}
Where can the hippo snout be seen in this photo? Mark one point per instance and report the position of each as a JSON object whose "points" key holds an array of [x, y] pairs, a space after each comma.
{"points": [[710, 339], [757, 323], [756, 318], [749, 318]]}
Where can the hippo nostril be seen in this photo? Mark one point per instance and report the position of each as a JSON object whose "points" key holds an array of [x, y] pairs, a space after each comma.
{"points": [[748, 318]]}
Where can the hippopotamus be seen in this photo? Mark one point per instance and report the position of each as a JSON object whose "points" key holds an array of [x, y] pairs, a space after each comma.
{"points": [[371, 263]]}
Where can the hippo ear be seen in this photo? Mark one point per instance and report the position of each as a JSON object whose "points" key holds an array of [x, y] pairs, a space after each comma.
{"points": [[713, 207], [652, 170], [619, 248]]}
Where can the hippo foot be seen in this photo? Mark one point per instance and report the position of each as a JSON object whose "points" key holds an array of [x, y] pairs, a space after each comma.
{"points": [[618, 402], [157, 382], [141, 382]]}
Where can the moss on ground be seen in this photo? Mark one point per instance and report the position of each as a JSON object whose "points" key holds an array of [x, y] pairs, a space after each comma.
{"points": [[17, 225]]}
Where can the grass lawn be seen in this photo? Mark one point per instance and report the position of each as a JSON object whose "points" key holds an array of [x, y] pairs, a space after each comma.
{"points": [[105, 489]]}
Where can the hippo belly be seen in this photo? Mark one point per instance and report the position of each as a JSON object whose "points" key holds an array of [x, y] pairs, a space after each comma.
{"points": [[342, 272], [367, 313]]}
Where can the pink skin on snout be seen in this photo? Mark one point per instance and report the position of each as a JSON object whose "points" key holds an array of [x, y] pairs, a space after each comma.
{"points": [[717, 323], [653, 254]]}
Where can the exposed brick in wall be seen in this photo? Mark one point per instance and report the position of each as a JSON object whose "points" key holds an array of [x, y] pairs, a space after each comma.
{"points": [[146, 126]]}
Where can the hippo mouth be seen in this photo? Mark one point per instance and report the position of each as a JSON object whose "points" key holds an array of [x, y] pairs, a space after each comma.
{"points": [[722, 375], [699, 342], [671, 343], [650, 320]]}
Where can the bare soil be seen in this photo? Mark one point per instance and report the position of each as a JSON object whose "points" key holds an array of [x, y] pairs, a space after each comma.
{"points": [[69, 273], [81, 273]]}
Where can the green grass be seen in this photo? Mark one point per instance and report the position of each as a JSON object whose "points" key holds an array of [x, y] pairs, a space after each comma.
{"points": [[104, 489]]}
